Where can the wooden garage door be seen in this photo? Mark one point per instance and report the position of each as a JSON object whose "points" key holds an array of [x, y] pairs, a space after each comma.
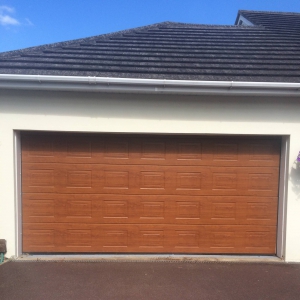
{"points": [[145, 194]]}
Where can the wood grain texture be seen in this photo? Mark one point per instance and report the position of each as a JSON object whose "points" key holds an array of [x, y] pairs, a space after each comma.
{"points": [[139, 193]]}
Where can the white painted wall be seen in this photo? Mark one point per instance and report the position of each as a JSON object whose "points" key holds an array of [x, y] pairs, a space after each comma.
{"points": [[94, 112]]}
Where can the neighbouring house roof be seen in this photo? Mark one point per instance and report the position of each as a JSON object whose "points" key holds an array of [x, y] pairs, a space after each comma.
{"points": [[266, 52], [288, 23]]}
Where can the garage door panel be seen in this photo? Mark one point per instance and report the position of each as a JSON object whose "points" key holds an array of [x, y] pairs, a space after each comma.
{"points": [[242, 210], [122, 209], [43, 208], [38, 208], [168, 180], [74, 178], [244, 152], [143, 151], [241, 239], [44, 148], [41, 149], [266, 153], [258, 181], [149, 238], [39, 178], [156, 194], [262, 210]]}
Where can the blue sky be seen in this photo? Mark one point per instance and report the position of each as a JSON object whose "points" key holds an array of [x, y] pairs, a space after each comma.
{"points": [[27, 23]]}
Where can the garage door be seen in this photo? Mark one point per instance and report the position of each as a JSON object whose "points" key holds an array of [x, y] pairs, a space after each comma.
{"points": [[149, 194]]}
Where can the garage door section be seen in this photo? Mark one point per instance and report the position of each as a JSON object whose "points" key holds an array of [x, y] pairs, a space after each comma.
{"points": [[149, 194]]}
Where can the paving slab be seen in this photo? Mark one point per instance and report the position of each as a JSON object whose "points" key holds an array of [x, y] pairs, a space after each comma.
{"points": [[107, 280]]}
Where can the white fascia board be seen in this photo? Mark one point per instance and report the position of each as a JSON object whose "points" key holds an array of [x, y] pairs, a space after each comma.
{"points": [[149, 86]]}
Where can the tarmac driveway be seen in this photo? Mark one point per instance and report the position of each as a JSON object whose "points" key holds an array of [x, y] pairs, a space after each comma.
{"points": [[148, 280]]}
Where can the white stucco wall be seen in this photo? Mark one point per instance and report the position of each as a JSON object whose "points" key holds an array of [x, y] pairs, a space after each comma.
{"points": [[95, 112]]}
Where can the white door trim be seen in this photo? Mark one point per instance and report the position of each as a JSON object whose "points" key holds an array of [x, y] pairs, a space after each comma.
{"points": [[18, 192], [282, 199]]}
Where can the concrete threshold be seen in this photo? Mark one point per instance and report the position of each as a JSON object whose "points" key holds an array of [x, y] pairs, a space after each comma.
{"points": [[148, 258]]}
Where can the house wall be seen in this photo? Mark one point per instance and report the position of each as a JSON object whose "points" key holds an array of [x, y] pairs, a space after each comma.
{"points": [[95, 112]]}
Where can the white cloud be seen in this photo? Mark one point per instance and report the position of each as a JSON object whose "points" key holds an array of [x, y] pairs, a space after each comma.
{"points": [[5, 16], [7, 20], [4, 8]]}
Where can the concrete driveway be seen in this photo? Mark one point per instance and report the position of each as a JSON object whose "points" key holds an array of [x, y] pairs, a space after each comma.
{"points": [[148, 280]]}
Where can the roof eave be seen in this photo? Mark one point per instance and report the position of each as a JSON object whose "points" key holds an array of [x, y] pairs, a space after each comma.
{"points": [[148, 86]]}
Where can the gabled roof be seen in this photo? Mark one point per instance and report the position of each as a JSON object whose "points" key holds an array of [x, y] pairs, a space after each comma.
{"points": [[171, 50], [282, 22]]}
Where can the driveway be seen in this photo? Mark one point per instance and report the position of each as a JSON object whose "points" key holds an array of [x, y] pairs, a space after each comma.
{"points": [[148, 280]]}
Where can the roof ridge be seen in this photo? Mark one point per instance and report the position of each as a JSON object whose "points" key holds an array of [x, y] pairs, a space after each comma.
{"points": [[74, 42], [207, 25], [268, 12], [200, 26], [92, 39]]}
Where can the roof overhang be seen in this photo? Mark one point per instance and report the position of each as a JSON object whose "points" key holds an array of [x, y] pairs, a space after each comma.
{"points": [[148, 86]]}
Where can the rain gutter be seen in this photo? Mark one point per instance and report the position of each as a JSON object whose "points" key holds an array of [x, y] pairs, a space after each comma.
{"points": [[148, 86]]}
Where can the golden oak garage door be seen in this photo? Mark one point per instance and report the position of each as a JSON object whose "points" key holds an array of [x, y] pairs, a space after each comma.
{"points": [[146, 193]]}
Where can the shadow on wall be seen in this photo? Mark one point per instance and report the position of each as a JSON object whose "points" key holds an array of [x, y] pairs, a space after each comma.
{"points": [[295, 177], [151, 107]]}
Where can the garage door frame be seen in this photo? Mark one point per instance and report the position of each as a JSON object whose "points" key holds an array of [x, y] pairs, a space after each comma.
{"points": [[282, 197], [282, 204]]}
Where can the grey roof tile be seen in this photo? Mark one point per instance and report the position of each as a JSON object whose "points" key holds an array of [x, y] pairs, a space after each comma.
{"points": [[177, 51]]}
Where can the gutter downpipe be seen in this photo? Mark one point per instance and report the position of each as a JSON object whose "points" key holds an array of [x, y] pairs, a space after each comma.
{"points": [[148, 86]]}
